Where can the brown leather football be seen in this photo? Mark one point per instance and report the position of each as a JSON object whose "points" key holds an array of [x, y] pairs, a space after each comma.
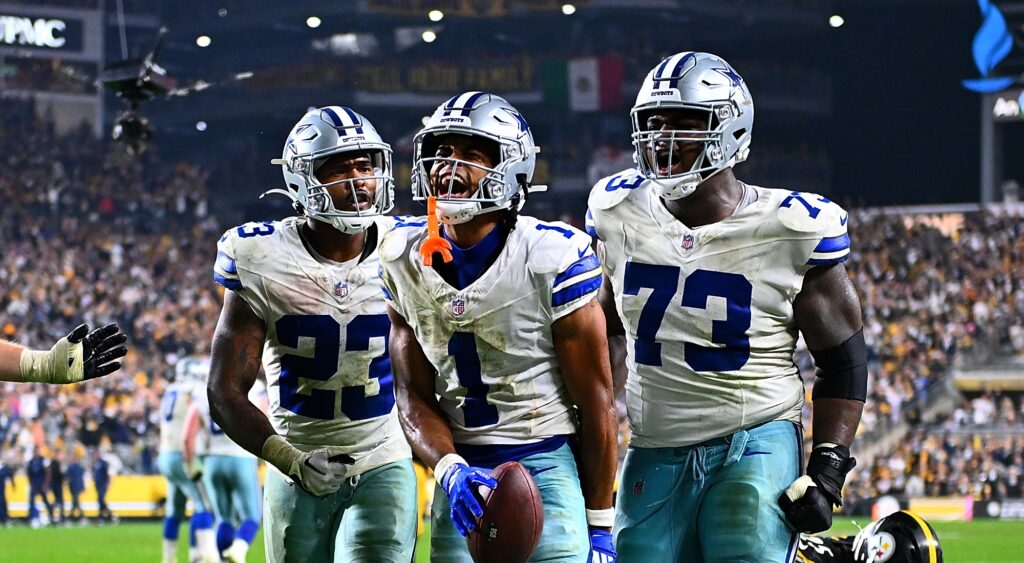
{"points": [[513, 518]]}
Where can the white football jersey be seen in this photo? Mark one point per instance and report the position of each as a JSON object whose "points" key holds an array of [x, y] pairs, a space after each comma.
{"points": [[328, 372], [708, 312], [498, 377], [173, 408], [213, 439]]}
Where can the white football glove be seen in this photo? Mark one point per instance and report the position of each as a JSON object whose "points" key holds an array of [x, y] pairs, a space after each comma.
{"points": [[318, 472], [79, 356]]}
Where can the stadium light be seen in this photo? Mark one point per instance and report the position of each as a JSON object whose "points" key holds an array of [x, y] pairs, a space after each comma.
{"points": [[200, 126], [568, 9], [223, 12], [836, 21], [429, 36], [203, 40], [313, 22], [435, 15]]}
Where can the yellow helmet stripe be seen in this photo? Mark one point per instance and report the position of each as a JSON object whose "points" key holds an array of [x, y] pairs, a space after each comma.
{"points": [[932, 541]]}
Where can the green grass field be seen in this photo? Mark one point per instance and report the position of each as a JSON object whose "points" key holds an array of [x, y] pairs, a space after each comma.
{"points": [[984, 541]]}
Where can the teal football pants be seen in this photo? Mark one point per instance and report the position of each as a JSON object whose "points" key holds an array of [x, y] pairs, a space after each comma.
{"points": [[712, 502], [372, 518], [233, 484]]}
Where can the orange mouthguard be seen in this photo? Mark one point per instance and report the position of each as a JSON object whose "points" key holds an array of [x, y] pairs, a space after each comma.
{"points": [[434, 244]]}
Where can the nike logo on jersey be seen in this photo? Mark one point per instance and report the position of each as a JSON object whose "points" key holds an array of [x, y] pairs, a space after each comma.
{"points": [[842, 220], [583, 251], [538, 470], [749, 453]]}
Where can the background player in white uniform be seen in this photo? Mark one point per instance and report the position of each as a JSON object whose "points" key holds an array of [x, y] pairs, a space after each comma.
{"points": [[230, 474], [189, 374], [493, 349], [712, 279], [306, 291]]}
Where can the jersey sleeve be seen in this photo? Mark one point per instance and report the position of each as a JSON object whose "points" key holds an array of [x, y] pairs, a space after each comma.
{"points": [[229, 271], [387, 286], [833, 245], [818, 225], [590, 224], [225, 270], [392, 253], [577, 276]]}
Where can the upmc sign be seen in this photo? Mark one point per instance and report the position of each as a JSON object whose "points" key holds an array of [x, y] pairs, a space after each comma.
{"points": [[42, 33]]}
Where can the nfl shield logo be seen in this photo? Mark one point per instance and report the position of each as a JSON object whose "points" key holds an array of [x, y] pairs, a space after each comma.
{"points": [[458, 307], [687, 242], [341, 290]]}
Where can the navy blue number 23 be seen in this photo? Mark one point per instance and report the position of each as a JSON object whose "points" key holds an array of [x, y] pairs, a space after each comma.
{"points": [[698, 287], [326, 331]]}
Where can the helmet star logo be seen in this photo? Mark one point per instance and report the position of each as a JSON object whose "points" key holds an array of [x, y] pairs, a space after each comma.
{"points": [[729, 73], [523, 126]]}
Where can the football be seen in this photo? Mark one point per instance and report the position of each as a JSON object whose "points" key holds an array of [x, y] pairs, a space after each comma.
{"points": [[512, 520]]}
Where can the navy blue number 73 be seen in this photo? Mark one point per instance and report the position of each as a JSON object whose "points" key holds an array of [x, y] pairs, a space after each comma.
{"points": [[697, 288], [326, 332]]}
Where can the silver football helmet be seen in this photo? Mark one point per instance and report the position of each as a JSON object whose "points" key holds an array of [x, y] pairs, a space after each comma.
{"points": [[693, 81], [320, 134], [503, 186]]}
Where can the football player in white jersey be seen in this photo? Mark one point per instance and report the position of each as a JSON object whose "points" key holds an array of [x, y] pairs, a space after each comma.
{"points": [[230, 474], [305, 292], [189, 374], [500, 354], [709, 280]]}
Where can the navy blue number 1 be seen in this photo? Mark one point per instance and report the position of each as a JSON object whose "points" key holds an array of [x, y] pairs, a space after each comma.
{"points": [[477, 411], [698, 286]]}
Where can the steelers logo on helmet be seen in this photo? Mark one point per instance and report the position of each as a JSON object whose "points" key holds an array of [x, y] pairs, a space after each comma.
{"points": [[902, 536], [337, 169], [692, 119], [476, 155]]}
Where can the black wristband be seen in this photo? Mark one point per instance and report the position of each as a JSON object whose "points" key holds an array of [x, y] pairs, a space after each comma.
{"points": [[828, 467]]}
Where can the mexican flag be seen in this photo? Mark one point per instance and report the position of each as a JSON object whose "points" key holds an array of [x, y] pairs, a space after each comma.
{"points": [[585, 84]]}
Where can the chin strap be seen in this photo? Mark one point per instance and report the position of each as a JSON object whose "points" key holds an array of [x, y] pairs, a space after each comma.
{"points": [[435, 244]]}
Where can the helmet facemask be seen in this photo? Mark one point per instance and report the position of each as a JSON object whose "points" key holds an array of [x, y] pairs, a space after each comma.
{"points": [[656, 154], [328, 132], [320, 205], [315, 198], [496, 189], [706, 86]]}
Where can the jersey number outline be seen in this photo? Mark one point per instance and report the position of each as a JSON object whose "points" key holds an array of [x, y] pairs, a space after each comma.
{"points": [[167, 405], [326, 332], [249, 230], [697, 288], [475, 408]]}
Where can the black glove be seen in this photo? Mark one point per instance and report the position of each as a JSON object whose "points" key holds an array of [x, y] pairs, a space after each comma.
{"points": [[808, 501], [99, 348]]}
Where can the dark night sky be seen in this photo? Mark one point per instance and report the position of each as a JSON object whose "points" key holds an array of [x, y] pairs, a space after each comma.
{"points": [[905, 129]]}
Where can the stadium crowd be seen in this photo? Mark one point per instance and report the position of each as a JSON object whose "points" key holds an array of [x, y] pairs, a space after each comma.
{"points": [[90, 231], [93, 235]]}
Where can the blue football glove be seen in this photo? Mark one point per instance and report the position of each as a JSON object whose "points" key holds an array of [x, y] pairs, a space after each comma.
{"points": [[602, 547], [461, 482]]}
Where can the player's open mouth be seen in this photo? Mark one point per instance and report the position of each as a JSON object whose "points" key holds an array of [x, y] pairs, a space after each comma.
{"points": [[362, 202], [452, 188], [668, 162]]}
